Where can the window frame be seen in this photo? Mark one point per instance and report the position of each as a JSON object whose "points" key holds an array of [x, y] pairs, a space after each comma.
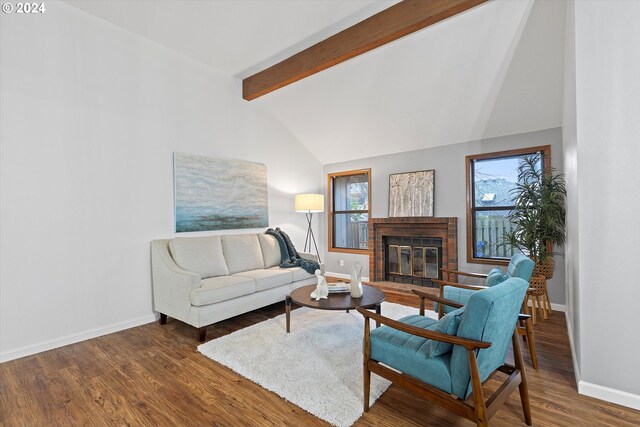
{"points": [[332, 211], [471, 209]]}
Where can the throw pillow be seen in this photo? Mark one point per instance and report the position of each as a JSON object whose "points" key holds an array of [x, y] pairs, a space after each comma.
{"points": [[447, 325], [495, 276]]}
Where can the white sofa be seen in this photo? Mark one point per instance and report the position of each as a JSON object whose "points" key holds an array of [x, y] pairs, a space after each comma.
{"points": [[203, 280]]}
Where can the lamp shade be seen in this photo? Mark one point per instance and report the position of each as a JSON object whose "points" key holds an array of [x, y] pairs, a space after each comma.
{"points": [[309, 203]]}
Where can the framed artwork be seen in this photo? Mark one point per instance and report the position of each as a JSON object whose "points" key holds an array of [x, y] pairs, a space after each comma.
{"points": [[411, 193], [218, 193]]}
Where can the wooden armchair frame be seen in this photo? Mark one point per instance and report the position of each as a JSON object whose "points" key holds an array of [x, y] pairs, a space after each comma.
{"points": [[481, 411], [450, 272], [524, 326]]}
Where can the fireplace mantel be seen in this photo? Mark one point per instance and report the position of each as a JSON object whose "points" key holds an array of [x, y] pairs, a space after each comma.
{"points": [[445, 228]]}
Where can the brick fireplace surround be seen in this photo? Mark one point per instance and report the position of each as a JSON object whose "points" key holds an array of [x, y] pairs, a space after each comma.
{"points": [[445, 228]]}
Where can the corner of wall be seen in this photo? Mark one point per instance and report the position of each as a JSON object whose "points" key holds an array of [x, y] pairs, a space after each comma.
{"points": [[574, 357]]}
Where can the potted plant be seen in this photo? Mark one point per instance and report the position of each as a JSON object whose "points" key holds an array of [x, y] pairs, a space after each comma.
{"points": [[538, 215]]}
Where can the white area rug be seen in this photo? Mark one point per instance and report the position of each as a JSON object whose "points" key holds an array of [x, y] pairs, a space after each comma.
{"points": [[318, 366]]}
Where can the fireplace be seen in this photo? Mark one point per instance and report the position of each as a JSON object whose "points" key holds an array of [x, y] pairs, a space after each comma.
{"points": [[412, 260], [412, 249]]}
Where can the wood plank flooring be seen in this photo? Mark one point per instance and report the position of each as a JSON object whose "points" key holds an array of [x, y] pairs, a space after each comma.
{"points": [[153, 375]]}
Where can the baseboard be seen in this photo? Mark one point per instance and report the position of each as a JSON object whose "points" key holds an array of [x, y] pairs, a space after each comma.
{"points": [[612, 395], [608, 394], [574, 357], [343, 276], [74, 338], [555, 307]]}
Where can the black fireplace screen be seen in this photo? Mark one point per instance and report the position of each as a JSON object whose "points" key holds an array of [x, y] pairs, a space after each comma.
{"points": [[413, 260]]}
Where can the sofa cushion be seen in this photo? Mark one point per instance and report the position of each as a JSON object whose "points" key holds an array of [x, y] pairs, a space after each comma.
{"points": [[242, 252], [202, 255], [298, 273], [217, 289], [267, 279], [270, 250]]}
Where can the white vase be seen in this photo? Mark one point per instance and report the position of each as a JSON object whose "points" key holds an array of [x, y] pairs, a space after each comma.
{"points": [[356, 281]]}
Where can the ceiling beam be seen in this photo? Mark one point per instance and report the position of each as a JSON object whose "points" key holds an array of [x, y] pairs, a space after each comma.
{"points": [[397, 21]]}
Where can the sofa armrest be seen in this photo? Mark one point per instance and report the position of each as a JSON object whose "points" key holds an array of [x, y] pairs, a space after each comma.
{"points": [[172, 285], [163, 265], [310, 257]]}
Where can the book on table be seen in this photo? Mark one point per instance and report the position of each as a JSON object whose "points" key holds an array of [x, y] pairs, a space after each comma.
{"points": [[338, 288]]}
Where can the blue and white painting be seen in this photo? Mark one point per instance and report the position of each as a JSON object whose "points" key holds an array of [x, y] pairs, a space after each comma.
{"points": [[219, 194]]}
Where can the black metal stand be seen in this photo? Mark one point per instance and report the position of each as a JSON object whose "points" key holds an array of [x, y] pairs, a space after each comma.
{"points": [[310, 237]]}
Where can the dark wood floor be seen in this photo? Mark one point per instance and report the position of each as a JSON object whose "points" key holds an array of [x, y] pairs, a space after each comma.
{"points": [[153, 375]]}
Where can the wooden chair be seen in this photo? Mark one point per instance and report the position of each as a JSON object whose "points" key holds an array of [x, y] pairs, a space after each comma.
{"points": [[519, 266], [525, 325], [403, 351]]}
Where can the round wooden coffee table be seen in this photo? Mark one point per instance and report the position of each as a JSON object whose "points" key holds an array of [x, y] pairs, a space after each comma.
{"points": [[371, 298]]}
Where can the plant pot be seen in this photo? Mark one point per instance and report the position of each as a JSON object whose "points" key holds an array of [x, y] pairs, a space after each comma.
{"points": [[538, 294], [542, 271], [544, 268]]}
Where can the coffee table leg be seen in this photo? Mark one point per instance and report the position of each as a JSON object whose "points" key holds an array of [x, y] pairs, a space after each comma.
{"points": [[287, 305], [378, 311]]}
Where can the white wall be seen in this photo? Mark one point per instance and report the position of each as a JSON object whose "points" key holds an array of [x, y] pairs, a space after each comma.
{"points": [[91, 115], [450, 190], [607, 105], [570, 156]]}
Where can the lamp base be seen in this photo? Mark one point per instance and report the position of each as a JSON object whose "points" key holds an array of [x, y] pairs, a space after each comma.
{"points": [[311, 239]]}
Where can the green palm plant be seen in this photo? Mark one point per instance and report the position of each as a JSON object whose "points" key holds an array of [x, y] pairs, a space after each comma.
{"points": [[539, 210]]}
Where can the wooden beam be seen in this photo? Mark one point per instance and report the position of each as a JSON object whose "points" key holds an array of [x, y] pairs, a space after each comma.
{"points": [[397, 21]]}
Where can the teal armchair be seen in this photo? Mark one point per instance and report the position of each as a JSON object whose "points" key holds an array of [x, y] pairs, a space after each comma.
{"points": [[519, 266], [447, 361]]}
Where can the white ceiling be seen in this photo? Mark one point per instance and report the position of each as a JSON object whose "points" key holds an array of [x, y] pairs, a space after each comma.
{"points": [[234, 36], [494, 70]]}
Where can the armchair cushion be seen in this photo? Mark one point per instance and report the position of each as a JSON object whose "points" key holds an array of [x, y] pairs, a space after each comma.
{"points": [[393, 335], [447, 325], [401, 350], [495, 276]]}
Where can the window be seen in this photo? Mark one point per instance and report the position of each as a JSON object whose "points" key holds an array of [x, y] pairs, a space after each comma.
{"points": [[349, 208], [490, 179]]}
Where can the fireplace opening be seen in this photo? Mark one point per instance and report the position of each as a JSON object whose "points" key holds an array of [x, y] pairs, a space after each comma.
{"points": [[421, 235], [413, 260]]}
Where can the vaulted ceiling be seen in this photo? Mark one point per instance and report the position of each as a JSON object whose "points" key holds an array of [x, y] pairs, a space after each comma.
{"points": [[494, 70]]}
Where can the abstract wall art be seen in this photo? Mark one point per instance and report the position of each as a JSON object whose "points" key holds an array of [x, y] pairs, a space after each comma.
{"points": [[219, 193], [411, 193]]}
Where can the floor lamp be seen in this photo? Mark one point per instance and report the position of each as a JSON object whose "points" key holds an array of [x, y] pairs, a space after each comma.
{"points": [[310, 204]]}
